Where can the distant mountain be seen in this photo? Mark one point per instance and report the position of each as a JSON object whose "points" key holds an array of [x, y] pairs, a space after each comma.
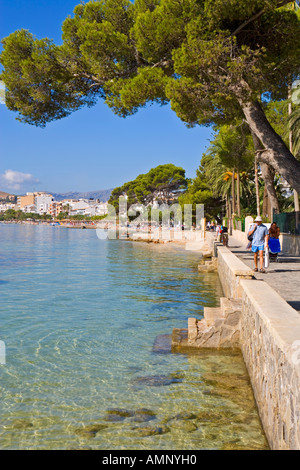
{"points": [[7, 197], [4, 195], [102, 194]]}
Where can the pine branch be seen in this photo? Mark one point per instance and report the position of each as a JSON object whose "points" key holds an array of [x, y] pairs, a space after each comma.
{"points": [[258, 15]]}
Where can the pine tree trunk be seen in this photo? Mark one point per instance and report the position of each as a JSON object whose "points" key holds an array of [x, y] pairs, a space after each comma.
{"points": [[257, 188], [268, 174], [265, 203], [274, 151]]}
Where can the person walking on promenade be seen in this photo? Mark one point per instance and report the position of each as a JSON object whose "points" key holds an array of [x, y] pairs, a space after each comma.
{"points": [[224, 235], [260, 239], [274, 243], [274, 231]]}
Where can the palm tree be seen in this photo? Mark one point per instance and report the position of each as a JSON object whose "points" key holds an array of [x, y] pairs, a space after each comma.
{"points": [[232, 154], [222, 180]]}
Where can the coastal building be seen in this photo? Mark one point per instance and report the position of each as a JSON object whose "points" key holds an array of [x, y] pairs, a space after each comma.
{"points": [[89, 207], [38, 202], [42, 202], [6, 206], [101, 208], [26, 200], [69, 202], [79, 208], [55, 208], [30, 208]]}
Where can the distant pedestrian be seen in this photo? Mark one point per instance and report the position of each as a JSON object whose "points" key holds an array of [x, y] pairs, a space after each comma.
{"points": [[260, 240], [224, 235]]}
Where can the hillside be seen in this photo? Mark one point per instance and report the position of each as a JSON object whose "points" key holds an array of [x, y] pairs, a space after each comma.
{"points": [[3, 195], [102, 194]]}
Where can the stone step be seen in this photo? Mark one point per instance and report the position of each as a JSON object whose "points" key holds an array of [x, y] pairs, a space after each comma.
{"points": [[179, 337], [212, 314], [220, 327], [228, 306]]}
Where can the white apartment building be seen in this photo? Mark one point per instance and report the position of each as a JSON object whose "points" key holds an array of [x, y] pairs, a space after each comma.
{"points": [[79, 208], [6, 206], [89, 208], [30, 208], [42, 202], [101, 208], [37, 202]]}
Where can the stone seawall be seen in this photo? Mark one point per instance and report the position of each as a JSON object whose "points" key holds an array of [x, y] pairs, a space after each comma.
{"points": [[270, 342], [254, 318], [231, 271]]}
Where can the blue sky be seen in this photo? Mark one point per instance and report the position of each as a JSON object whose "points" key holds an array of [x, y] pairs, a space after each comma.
{"points": [[91, 149]]}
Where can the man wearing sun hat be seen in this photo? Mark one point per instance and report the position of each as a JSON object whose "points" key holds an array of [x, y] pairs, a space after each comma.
{"points": [[260, 239]]}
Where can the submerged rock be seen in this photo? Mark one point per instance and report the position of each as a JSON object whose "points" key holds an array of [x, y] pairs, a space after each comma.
{"points": [[117, 414], [215, 417], [21, 423], [90, 430], [85, 434], [156, 380], [183, 425], [143, 414], [185, 415], [162, 344], [152, 431]]}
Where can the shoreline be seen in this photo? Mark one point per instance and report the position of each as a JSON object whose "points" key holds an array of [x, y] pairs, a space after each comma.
{"points": [[189, 240]]}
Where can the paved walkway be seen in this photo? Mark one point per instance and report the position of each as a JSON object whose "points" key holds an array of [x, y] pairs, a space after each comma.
{"points": [[283, 276]]}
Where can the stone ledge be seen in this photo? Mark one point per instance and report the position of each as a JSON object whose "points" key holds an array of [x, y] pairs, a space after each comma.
{"points": [[237, 266], [231, 271], [212, 314], [208, 266]]}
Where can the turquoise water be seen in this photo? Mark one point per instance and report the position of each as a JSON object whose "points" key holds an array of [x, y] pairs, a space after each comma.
{"points": [[79, 317]]}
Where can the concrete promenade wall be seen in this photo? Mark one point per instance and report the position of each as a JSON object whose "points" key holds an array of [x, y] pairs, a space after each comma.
{"points": [[231, 271], [270, 343], [290, 244], [240, 236]]}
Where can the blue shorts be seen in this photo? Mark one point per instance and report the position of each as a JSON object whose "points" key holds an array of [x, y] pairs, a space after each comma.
{"points": [[255, 249]]}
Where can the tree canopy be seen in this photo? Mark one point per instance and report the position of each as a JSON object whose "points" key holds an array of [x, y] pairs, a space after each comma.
{"points": [[212, 60], [162, 184]]}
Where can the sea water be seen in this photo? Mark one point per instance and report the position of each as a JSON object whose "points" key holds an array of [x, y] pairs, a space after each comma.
{"points": [[80, 317]]}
